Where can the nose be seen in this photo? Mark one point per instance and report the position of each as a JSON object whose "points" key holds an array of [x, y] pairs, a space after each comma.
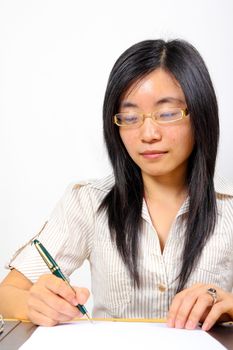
{"points": [[150, 131]]}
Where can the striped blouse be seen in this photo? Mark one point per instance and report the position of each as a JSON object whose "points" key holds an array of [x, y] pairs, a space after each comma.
{"points": [[77, 231]]}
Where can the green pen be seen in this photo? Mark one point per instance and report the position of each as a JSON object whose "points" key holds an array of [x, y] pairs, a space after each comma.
{"points": [[55, 269]]}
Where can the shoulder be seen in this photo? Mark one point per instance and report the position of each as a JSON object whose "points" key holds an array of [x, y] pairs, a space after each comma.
{"points": [[88, 191], [223, 186], [224, 196], [104, 184]]}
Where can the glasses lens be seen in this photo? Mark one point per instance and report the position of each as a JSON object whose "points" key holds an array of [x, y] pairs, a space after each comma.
{"points": [[127, 119], [169, 115]]}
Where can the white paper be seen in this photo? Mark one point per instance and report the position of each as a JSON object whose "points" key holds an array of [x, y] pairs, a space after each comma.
{"points": [[118, 336]]}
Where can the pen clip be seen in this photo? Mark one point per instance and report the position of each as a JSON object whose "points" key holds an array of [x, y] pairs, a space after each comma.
{"points": [[44, 257]]}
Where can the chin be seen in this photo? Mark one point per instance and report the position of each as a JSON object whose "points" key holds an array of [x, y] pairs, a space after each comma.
{"points": [[155, 173]]}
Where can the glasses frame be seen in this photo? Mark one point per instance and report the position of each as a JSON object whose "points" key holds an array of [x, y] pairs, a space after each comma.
{"points": [[1, 324], [184, 114]]}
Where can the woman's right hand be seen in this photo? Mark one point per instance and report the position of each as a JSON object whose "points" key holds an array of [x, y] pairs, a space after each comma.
{"points": [[52, 301]]}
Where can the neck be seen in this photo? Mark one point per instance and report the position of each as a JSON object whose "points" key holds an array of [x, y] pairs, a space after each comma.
{"points": [[165, 187]]}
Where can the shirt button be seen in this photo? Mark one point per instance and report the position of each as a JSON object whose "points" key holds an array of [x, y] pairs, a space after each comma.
{"points": [[162, 287]]}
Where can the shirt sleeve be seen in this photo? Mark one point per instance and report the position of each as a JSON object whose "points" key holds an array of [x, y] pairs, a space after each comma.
{"points": [[67, 235]]}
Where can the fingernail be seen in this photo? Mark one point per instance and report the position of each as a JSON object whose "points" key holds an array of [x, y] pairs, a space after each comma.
{"points": [[82, 298], [205, 326], [179, 324], [190, 325], [170, 322]]}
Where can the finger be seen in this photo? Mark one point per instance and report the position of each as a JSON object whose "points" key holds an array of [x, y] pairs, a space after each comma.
{"points": [[185, 308], [59, 287], [40, 319], [200, 308], [174, 307], [215, 313], [53, 301], [82, 295], [55, 308]]}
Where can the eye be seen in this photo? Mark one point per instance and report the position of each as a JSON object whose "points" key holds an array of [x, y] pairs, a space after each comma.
{"points": [[130, 118], [168, 114], [127, 118], [172, 114]]}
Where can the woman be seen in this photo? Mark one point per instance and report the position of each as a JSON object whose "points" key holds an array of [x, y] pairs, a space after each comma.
{"points": [[158, 234]]}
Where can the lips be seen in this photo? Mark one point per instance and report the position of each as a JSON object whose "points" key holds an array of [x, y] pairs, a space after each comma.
{"points": [[153, 154]]}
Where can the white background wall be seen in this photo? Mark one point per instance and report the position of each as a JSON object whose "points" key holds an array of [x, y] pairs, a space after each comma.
{"points": [[55, 58]]}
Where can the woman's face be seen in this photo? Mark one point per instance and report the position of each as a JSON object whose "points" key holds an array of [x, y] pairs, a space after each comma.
{"points": [[159, 150]]}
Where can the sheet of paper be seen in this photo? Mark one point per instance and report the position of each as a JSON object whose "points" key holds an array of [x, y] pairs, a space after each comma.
{"points": [[119, 336]]}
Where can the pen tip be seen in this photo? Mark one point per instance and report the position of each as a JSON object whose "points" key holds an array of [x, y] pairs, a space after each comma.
{"points": [[88, 317]]}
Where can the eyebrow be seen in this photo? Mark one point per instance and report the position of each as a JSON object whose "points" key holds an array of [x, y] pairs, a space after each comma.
{"points": [[169, 99], [127, 104]]}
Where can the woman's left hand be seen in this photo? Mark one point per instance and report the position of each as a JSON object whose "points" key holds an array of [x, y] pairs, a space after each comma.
{"points": [[195, 304]]}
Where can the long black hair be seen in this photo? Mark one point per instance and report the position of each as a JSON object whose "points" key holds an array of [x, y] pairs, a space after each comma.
{"points": [[124, 201]]}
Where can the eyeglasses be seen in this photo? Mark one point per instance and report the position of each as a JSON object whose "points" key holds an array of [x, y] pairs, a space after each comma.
{"points": [[1, 324], [161, 116]]}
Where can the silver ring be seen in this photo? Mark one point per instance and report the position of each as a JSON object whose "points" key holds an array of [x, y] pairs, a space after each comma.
{"points": [[213, 293]]}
